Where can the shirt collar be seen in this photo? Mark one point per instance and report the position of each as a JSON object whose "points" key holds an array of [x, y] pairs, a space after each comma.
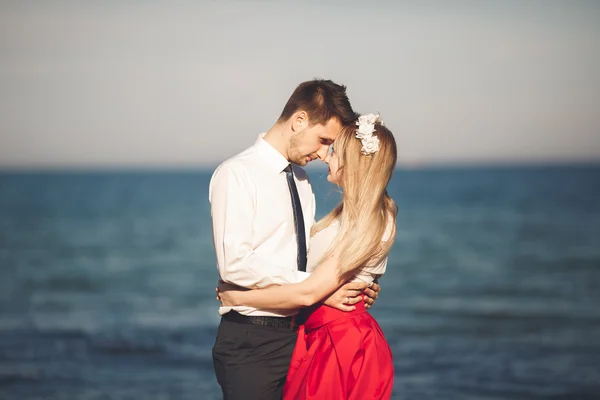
{"points": [[271, 157]]}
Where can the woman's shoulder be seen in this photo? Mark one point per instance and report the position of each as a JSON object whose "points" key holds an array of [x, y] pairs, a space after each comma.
{"points": [[389, 229], [333, 226]]}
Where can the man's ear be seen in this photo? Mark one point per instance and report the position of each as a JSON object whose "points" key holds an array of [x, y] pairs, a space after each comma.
{"points": [[299, 121]]}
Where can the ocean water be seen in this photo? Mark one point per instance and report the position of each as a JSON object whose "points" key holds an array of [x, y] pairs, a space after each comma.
{"points": [[492, 290]]}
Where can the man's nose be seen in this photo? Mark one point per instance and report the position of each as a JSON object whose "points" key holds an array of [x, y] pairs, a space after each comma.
{"points": [[322, 153]]}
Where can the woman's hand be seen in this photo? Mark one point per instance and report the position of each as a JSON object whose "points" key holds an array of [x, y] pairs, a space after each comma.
{"points": [[345, 297]]}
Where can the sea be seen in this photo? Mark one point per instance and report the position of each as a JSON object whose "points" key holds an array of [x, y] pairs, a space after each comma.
{"points": [[492, 290]]}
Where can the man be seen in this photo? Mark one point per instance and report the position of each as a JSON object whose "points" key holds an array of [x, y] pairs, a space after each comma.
{"points": [[262, 210]]}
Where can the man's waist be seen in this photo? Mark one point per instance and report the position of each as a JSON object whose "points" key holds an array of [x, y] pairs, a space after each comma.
{"points": [[270, 322], [254, 312]]}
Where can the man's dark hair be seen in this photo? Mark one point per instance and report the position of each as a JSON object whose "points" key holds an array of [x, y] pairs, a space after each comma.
{"points": [[322, 100]]}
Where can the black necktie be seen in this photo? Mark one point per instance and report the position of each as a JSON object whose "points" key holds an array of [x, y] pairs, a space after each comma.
{"points": [[298, 218]]}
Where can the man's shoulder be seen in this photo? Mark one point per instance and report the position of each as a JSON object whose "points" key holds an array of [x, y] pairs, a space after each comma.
{"points": [[240, 159], [240, 162], [237, 168]]}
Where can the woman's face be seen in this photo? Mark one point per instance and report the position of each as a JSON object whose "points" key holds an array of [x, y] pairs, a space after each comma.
{"points": [[335, 173]]}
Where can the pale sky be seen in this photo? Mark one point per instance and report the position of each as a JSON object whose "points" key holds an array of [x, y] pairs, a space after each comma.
{"points": [[190, 83]]}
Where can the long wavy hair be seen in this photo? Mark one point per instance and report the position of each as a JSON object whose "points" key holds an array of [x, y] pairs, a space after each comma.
{"points": [[367, 214]]}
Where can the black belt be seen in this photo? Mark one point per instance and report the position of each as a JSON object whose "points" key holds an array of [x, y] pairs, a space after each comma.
{"points": [[273, 322]]}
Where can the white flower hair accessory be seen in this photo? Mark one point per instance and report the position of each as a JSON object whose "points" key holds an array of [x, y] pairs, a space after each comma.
{"points": [[366, 127]]}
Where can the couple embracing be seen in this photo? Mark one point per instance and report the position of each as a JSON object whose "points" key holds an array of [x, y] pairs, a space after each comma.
{"points": [[294, 292]]}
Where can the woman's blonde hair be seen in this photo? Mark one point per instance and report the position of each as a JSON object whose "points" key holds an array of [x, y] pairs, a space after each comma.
{"points": [[367, 215]]}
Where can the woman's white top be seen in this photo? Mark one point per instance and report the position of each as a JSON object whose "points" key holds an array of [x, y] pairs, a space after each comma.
{"points": [[320, 243]]}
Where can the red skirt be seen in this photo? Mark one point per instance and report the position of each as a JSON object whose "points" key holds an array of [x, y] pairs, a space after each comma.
{"points": [[340, 355]]}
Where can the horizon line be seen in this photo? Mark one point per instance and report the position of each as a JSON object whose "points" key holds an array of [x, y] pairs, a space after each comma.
{"points": [[312, 166]]}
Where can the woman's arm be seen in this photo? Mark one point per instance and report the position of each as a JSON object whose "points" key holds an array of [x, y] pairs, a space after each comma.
{"points": [[322, 282]]}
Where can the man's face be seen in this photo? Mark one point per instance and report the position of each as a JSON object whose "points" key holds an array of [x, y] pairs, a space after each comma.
{"points": [[313, 142]]}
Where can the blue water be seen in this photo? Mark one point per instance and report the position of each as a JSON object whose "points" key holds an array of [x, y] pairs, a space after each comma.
{"points": [[492, 290]]}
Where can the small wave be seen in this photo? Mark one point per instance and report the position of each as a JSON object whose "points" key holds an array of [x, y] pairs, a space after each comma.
{"points": [[126, 347], [15, 378], [66, 284]]}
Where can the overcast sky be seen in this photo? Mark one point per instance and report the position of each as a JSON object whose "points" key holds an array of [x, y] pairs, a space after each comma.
{"points": [[190, 83]]}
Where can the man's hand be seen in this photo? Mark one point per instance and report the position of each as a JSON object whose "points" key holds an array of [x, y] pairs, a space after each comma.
{"points": [[226, 293], [371, 294], [345, 297]]}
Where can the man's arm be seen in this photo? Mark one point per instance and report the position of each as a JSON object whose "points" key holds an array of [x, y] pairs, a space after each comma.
{"points": [[232, 209], [322, 282]]}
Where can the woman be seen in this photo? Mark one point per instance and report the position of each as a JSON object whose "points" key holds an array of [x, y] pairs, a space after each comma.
{"points": [[342, 355]]}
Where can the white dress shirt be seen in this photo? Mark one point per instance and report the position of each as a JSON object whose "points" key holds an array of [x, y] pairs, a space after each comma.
{"points": [[253, 221]]}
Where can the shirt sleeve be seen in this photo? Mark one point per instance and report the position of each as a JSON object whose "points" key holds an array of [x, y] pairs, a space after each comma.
{"points": [[232, 201], [369, 274]]}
